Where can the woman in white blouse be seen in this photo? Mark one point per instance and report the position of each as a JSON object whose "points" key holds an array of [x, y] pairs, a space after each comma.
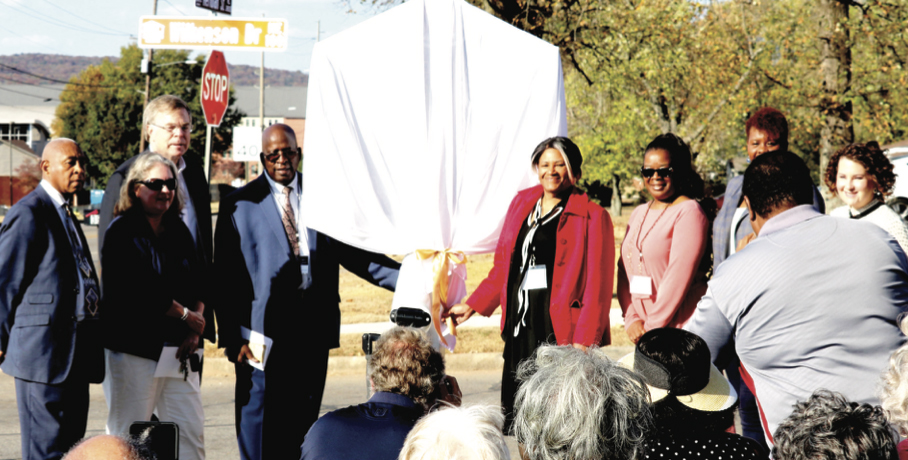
{"points": [[861, 175]]}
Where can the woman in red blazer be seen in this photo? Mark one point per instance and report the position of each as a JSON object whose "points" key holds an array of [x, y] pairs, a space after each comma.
{"points": [[554, 266]]}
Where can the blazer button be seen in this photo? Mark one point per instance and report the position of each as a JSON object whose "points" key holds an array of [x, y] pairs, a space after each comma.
{"points": [[564, 241]]}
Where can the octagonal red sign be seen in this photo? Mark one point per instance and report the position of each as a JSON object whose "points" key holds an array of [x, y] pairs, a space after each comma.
{"points": [[215, 93]]}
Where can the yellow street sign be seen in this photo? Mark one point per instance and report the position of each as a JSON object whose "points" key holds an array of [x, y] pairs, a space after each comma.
{"points": [[206, 32]]}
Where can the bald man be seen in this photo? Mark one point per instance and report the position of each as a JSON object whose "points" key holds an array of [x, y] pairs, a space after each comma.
{"points": [[278, 278], [49, 307], [109, 447]]}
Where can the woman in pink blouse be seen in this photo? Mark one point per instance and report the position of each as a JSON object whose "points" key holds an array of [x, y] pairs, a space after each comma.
{"points": [[663, 264]]}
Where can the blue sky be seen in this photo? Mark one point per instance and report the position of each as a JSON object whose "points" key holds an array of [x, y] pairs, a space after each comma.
{"points": [[101, 27]]}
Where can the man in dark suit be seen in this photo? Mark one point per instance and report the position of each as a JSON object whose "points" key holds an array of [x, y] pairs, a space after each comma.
{"points": [[167, 129], [280, 279], [49, 308]]}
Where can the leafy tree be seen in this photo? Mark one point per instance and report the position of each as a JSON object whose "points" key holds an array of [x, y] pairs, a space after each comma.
{"points": [[101, 108]]}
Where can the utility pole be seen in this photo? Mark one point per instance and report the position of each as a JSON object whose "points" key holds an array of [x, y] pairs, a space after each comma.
{"points": [[318, 31], [154, 12], [10, 140]]}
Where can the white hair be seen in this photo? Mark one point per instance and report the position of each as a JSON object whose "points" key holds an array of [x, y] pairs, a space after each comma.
{"points": [[579, 405], [894, 392], [458, 433]]}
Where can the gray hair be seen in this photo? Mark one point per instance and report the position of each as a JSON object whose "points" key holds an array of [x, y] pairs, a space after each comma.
{"points": [[894, 392], [405, 363], [165, 103], [829, 427], [579, 405], [458, 433], [139, 172]]}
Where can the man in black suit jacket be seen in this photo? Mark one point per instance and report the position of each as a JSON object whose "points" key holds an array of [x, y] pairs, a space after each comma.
{"points": [[49, 308], [167, 129]]}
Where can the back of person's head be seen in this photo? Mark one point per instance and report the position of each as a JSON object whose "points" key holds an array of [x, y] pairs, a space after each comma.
{"points": [[404, 362], [894, 392], [777, 181], [458, 433], [771, 121], [829, 427], [685, 178], [110, 447], [689, 394], [579, 405]]}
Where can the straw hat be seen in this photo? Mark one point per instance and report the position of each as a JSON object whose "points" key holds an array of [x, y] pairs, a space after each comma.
{"points": [[698, 385]]}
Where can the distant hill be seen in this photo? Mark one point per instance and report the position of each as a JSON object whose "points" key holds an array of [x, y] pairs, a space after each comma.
{"points": [[58, 67]]}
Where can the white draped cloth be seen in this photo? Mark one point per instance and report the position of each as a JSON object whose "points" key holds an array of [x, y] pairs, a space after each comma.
{"points": [[420, 126]]}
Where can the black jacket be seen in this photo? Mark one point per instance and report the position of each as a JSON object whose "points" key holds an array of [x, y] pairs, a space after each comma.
{"points": [[142, 275]]}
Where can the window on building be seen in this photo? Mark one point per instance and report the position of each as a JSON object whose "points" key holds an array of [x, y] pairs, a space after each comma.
{"points": [[20, 132]]}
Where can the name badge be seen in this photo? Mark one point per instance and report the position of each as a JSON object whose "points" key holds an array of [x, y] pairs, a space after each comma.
{"points": [[534, 279], [304, 265], [642, 285]]}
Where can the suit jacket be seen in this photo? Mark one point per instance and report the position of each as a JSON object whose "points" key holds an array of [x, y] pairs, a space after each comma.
{"points": [[197, 186], [734, 196], [38, 301], [379, 426], [256, 269]]}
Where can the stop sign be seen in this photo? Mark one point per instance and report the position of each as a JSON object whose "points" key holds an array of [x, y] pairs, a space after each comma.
{"points": [[215, 94]]}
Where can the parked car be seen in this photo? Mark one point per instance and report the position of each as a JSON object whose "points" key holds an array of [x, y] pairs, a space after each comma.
{"points": [[899, 199]]}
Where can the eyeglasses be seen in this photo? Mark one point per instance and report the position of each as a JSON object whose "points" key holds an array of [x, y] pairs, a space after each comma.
{"points": [[663, 172], [156, 185], [288, 153], [187, 128]]}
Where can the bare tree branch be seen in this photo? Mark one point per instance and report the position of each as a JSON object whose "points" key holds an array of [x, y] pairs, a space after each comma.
{"points": [[709, 118]]}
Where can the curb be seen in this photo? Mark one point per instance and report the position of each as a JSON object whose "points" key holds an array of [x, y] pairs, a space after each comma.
{"points": [[454, 363]]}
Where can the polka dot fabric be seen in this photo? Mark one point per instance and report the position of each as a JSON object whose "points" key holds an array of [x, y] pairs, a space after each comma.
{"points": [[712, 446]]}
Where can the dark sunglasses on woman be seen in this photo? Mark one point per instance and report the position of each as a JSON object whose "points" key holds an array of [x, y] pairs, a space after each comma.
{"points": [[156, 185], [663, 172]]}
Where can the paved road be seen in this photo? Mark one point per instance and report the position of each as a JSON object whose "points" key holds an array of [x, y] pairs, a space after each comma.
{"points": [[217, 399]]}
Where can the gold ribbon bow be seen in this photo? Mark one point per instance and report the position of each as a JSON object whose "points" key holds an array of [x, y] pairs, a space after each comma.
{"points": [[440, 283]]}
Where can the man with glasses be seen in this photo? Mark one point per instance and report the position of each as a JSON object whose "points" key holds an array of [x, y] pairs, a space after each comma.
{"points": [[279, 279], [167, 129]]}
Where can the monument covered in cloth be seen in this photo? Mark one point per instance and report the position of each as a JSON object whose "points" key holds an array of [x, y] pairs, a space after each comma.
{"points": [[420, 126]]}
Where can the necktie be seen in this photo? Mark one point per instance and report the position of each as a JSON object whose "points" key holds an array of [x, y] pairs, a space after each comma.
{"points": [[290, 223], [89, 287]]}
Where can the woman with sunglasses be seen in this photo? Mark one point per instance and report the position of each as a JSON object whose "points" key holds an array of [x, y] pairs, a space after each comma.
{"points": [[664, 261], [554, 266], [152, 281]]}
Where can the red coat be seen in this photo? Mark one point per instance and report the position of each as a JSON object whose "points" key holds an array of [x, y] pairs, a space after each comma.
{"points": [[581, 294]]}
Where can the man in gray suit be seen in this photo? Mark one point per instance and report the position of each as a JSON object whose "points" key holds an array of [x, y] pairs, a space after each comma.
{"points": [[49, 308], [811, 303]]}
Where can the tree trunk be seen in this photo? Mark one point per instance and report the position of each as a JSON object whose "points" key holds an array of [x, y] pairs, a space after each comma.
{"points": [[835, 70], [616, 196]]}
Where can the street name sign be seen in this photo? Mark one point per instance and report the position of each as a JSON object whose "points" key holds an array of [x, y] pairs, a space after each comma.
{"points": [[206, 32], [215, 93], [218, 6]]}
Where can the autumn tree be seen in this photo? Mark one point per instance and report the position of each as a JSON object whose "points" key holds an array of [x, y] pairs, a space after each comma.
{"points": [[101, 108]]}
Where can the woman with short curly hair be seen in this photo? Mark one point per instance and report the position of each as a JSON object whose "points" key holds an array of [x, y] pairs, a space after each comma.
{"points": [[861, 175]]}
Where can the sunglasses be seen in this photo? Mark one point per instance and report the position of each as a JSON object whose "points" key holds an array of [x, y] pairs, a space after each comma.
{"points": [[156, 185], [663, 172], [288, 153]]}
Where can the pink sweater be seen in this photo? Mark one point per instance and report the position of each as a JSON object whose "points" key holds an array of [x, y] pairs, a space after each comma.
{"points": [[673, 247]]}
